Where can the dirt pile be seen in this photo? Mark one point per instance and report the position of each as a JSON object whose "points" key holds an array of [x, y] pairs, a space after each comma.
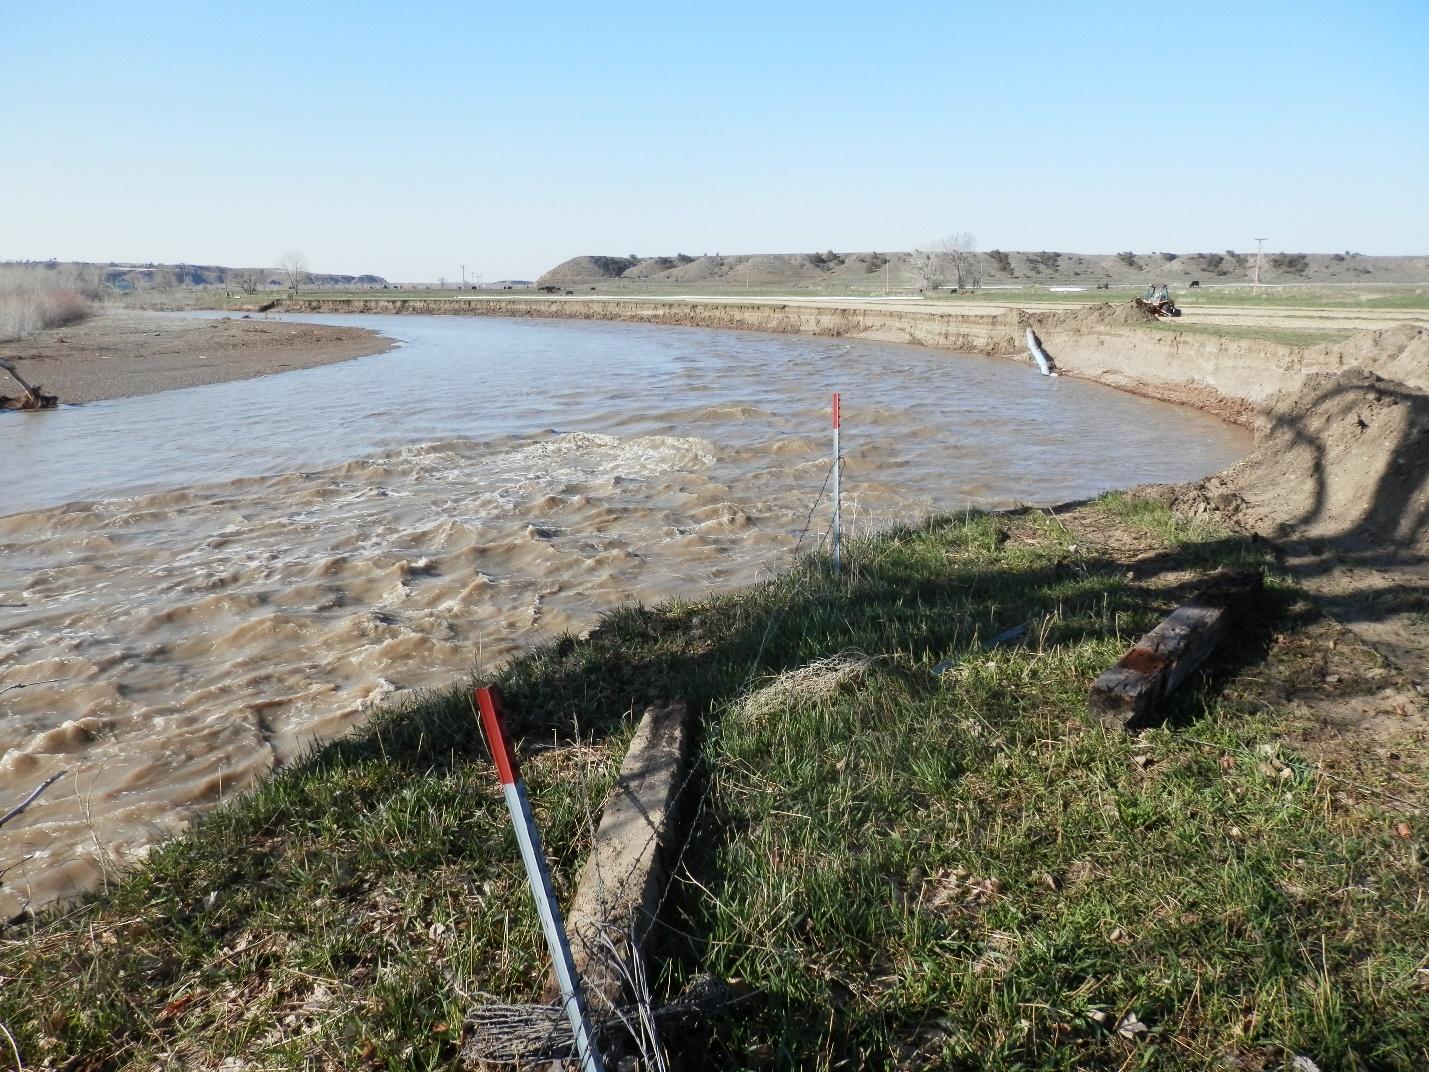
{"points": [[1012, 323], [1095, 317], [1343, 460], [1398, 353]]}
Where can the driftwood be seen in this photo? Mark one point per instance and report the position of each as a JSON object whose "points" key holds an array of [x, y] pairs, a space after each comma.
{"points": [[34, 796], [1164, 657], [33, 398]]}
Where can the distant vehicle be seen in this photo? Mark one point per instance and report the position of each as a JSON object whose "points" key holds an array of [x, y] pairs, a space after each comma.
{"points": [[1158, 299]]}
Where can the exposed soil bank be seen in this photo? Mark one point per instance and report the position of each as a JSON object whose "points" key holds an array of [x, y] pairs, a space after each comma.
{"points": [[120, 353], [1233, 378]]}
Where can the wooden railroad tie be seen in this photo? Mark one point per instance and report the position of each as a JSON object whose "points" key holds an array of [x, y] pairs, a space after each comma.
{"points": [[1125, 695]]}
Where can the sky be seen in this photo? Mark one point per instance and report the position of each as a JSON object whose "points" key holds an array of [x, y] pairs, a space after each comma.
{"points": [[409, 140]]}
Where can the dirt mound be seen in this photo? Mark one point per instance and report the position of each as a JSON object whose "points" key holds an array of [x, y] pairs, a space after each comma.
{"points": [[1088, 318], [1398, 353], [1092, 317], [1344, 460]]}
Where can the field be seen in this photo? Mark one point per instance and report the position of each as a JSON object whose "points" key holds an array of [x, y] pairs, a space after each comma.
{"points": [[1286, 315], [1339, 298], [892, 868]]}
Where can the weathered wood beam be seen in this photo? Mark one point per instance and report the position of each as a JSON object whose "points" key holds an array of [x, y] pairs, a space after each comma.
{"points": [[1164, 657], [622, 883]]}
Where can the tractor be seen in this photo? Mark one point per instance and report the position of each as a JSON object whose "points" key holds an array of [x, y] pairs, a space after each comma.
{"points": [[1158, 299]]}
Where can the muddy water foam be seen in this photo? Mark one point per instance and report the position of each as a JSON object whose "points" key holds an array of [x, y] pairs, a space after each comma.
{"points": [[215, 577]]}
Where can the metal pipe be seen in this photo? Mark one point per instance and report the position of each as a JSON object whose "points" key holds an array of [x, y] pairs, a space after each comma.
{"points": [[538, 876], [838, 464]]}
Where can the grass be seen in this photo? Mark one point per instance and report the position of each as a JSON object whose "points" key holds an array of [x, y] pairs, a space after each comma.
{"points": [[903, 871], [33, 298], [1408, 298], [1286, 336]]}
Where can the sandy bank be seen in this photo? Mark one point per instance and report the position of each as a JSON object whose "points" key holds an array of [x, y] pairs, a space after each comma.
{"points": [[119, 353]]}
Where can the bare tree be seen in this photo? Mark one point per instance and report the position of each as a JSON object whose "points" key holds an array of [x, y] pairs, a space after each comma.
{"points": [[965, 259], [250, 280], [929, 267], [294, 265], [954, 257]]}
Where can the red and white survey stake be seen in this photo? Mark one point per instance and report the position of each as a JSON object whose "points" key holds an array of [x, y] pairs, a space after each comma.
{"points": [[834, 540], [538, 874]]}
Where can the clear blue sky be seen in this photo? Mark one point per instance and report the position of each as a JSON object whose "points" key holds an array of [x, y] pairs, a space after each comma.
{"points": [[408, 139]]}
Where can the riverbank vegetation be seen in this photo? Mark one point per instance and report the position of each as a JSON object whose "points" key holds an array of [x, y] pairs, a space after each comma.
{"points": [[34, 297], [895, 868]]}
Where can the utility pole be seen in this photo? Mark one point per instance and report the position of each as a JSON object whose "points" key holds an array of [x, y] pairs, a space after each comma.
{"points": [[463, 277], [1259, 242]]}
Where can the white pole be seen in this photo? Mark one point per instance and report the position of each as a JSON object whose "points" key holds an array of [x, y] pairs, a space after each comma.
{"points": [[837, 467], [538, 876]]}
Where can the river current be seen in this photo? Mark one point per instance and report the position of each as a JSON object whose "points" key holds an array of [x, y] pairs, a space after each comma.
{"points": [[207, 580]]}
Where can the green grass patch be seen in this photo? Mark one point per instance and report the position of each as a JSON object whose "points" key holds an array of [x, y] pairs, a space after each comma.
{"points": [[1344, 299], [1285, 336], [903, 870]]}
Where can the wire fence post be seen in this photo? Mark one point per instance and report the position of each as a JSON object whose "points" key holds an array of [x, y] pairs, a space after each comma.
{"points": [[838, 464], [539, 876]]}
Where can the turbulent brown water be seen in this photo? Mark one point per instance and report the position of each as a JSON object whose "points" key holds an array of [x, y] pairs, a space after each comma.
{"points": [[210, 579]]}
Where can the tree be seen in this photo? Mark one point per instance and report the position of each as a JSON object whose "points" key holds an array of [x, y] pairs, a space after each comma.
{"points": [[251, 279], [294, 265], [955, 256]]}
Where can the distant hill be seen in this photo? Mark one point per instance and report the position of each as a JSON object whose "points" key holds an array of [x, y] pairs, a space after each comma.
{"points": [[132, 276], [873, 270]]}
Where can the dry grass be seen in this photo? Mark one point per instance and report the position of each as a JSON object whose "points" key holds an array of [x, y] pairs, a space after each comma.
{"points": [[36, 297], [818, 680]]}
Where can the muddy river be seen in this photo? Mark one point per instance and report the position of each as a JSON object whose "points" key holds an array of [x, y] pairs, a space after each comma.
{"points": [[209, 579]]}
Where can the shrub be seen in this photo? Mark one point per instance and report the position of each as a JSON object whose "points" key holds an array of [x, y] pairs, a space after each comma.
{"points": [[1294, 263], [1128, 258], [1001, 260], [33, 298]]}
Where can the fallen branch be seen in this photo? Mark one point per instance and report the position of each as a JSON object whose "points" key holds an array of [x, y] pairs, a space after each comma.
{"points": [[33, 397], [27, 684], [20, 807]]}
